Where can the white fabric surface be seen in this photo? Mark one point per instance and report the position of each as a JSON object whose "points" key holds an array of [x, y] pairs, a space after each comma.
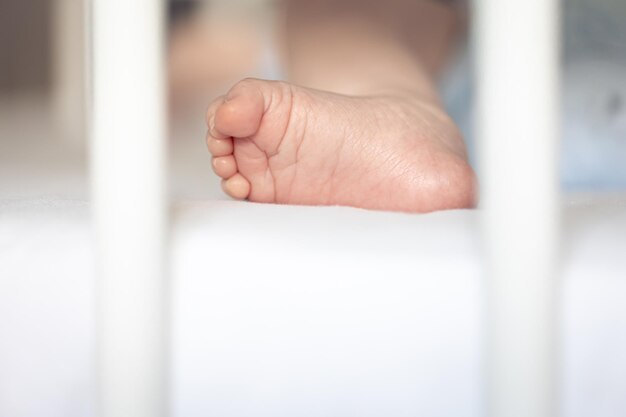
{"points": [[284, 311], [294, 311]]}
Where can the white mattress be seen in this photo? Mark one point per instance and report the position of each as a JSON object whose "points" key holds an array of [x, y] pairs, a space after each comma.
{"points": [[284, 311]]}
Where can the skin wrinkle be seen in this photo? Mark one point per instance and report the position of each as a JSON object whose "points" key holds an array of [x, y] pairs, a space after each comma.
{"points": [[299, 133], [276, 152], [364, 151], [332, 153], [377, 120], [274, 188], [380, 184], [345, 137], [268, 109], [268, 102], [245, 176], [444, 139], [297, 157]]}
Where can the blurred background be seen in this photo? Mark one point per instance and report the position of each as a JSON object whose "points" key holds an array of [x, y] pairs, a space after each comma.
{"points": [[44, 89], [46, 319], [211, 44]]}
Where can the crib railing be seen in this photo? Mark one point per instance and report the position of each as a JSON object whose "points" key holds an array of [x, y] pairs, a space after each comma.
{"points": [[516, 50], [516, 46], [128, 177]]}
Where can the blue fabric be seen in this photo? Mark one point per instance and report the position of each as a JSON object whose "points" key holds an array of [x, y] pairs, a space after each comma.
{"points": [[593, 144]]}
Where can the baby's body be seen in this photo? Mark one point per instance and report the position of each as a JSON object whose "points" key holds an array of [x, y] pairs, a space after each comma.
{"points": [[360, 123]]}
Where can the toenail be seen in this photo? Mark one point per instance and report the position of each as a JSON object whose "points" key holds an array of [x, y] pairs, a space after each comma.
{"points": [[217, 162], [224, 166]]}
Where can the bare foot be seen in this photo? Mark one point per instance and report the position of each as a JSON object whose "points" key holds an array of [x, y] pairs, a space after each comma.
{"points": [[274, 142]]}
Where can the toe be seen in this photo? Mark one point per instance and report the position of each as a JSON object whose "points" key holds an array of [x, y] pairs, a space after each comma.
{"points": [[210, 119], [240, 114], [237, 187], [225, 166], [210, 113], [219, 147]]}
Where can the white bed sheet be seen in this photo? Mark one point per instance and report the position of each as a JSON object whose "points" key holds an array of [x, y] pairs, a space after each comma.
{"points": [[284, 311]]}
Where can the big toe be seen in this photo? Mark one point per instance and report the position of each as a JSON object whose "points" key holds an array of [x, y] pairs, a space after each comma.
{"points": [[242, 110]]}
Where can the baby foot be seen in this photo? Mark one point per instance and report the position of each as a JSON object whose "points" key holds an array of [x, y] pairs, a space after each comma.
{"points": [[273, 142]]}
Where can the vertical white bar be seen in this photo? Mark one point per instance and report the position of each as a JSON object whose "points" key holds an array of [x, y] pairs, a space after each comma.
{"points": [[517, 49], [128, 164]]}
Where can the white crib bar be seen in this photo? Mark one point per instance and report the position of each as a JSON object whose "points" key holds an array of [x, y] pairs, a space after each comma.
{"points": [[128, 167], [517, 72]]}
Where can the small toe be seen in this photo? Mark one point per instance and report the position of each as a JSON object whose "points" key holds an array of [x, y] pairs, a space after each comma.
{"points": [[225, 166], [219, 147], [211, 116], [210, 112], [237, 187]]}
